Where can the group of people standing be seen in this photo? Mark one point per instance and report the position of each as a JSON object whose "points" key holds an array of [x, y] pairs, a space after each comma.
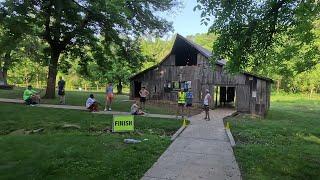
{"points": [[185, 100]]}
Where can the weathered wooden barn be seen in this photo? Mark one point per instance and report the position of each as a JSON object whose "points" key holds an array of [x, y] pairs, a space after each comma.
{"points": [[187, 65]]}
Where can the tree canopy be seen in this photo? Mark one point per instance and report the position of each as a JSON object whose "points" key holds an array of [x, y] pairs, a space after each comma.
{"points": [[249, 30], [70, 26]]}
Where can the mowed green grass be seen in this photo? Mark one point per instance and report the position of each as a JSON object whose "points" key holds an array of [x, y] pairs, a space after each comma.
{"points": [[284, 145], [78, 98], [86, 153]]}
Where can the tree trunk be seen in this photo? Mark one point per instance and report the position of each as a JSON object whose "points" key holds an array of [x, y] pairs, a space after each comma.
{"points": [[3, 77], [4, 69], [278, 85], [52, 74], [37, 79], [119, 87], [311, 92]]}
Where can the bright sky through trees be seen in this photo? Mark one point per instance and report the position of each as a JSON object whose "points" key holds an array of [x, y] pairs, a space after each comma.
{"points": [[186, 21]]}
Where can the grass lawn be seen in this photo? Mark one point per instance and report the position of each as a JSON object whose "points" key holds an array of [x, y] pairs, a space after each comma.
{"points": [[285, 145], [86, 153], [78, 98]]}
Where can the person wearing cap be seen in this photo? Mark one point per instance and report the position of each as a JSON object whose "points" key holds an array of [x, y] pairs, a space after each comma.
{"points": [[30, 96], [189, 97], [206, 101], [181, 102]]}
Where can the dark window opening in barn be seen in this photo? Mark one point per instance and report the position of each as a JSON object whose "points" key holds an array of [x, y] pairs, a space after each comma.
{"points": [[224, 96], [155, 89], [137, 88], [185, 54], [167, 87]]}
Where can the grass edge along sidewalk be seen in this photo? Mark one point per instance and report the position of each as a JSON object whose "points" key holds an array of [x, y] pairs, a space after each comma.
{"points": [[284, 145], [78, 98], [77, 153], [18, 101]]}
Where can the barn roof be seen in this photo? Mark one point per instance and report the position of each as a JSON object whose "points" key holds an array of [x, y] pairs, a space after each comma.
{"points": [[206, 53]]}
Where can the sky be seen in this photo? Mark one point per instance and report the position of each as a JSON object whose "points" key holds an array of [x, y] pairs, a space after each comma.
{"points": [[186, 21]]}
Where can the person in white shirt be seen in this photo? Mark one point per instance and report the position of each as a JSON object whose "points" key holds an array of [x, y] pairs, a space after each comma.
{"points": [[206, 101], [135, 110], [92, 104]]}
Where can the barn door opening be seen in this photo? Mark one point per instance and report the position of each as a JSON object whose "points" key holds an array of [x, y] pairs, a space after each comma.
{"points": [[137, 88], [224, 96]]}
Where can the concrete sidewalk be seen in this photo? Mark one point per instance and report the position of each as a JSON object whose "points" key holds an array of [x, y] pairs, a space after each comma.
{"points": [[202, 151], [19, 101]]}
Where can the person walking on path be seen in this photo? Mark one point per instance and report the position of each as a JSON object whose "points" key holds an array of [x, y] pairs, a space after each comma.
{"points": [[189, 97], [181, 102], [143, 97], [61, 91], [109, 97], [206, 101]]}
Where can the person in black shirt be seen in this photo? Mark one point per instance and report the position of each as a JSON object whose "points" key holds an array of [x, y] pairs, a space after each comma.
{"points": [[61, 91]]}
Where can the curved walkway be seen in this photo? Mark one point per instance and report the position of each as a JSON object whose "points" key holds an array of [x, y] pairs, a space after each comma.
{"points": [[202, 151]]}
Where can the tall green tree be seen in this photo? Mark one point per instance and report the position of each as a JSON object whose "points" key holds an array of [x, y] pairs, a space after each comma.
{"points": [[116, 66], [205, 40], [69, 26], [156, 49], [10, 38], [16, 46], [248, 30]]}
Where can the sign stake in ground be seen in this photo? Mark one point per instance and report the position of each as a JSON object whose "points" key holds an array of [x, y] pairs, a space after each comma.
{"points": [[123, 123], [184, 123]]}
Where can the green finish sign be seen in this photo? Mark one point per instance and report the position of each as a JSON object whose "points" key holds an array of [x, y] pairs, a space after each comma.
{"points": [[123, 123]]}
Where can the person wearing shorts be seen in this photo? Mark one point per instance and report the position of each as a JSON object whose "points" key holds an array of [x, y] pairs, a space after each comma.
{"points": [[143, 97], [189, 97], [206, 102], [61, 91], [109, 97]]}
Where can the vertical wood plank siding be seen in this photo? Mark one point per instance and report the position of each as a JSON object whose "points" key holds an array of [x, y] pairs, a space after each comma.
{"points": [[203, 76]]}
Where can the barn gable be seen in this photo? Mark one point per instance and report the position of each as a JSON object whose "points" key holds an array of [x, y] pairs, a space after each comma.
{"points": [[187, 65], [183, 53]]}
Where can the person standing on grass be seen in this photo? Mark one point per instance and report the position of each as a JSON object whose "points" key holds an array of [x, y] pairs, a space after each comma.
{"points": [[181, 102], [109, 97], [189, 97], [206, 101], [30, 96], [61, 90], [92, 104], [143, 97]]}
